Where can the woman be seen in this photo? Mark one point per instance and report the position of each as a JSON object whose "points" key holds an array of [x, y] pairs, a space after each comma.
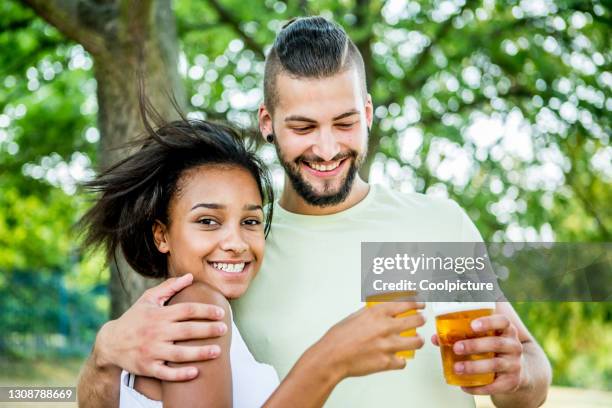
{"points": [[192, 200]]}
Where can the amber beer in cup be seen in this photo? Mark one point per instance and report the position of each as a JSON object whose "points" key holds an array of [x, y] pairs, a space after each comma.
{"points": [[453, 321], [400, 296]]}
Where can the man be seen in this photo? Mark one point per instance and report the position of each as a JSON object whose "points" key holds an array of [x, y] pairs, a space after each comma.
{"points": [[317, 113]]}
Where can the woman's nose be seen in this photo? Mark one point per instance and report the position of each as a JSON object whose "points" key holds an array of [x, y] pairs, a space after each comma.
{"points": [[234, 242]]}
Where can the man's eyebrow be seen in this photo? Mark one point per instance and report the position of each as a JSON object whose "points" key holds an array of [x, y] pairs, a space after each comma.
{"points": [[347, 114], [300, 118]]}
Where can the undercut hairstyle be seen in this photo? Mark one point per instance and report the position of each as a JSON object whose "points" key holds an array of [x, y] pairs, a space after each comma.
{"points": [[310, 47], [137, 191]]}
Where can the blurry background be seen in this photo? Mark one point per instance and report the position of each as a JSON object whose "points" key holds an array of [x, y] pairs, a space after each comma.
{"points": [[504, 106]]}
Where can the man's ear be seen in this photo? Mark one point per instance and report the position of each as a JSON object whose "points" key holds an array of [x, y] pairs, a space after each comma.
{"points": [[369, 111], [160, 236], [265, 121]]}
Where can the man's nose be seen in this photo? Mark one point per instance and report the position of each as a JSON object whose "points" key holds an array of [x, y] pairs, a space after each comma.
{"points": [[326, 146]]}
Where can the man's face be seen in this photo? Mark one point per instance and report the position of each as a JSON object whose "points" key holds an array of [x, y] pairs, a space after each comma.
{"points": [[321, 133]]}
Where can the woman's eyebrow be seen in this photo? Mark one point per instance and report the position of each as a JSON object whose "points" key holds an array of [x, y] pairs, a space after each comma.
{"points": [[214, 206]]}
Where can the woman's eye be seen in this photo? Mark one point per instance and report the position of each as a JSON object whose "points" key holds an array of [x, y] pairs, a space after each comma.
{"points": [[345, 125], [207, 221], [252, 222]]}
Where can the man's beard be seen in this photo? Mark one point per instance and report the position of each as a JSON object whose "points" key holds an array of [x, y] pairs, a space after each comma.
{"points": [[307, 191]]}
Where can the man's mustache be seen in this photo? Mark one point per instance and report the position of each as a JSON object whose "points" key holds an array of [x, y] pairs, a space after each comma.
{"points": [[316, 159]]}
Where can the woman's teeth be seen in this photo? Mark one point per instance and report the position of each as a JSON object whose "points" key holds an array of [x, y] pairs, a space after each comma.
{"points": [[229, 267], [322, 167]]}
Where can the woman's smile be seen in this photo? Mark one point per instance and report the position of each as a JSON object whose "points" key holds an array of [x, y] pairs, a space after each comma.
{"points": [[232, 270]]}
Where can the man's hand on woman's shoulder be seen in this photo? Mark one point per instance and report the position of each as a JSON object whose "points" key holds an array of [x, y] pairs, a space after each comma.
{"points": [[142, 340]]}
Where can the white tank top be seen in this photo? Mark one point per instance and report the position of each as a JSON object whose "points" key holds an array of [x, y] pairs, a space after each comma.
{"points": [[252, 382]]}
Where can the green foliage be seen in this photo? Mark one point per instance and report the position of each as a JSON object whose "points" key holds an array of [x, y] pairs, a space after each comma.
{"points": [[42, 317], [46, 301], [576, 337], [502, 105]]}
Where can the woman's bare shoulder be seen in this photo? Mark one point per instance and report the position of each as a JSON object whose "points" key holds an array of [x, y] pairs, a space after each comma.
{"points": [[200, 292]]}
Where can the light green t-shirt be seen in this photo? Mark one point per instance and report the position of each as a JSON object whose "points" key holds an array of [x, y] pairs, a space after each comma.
{"points": [[311, 278]]}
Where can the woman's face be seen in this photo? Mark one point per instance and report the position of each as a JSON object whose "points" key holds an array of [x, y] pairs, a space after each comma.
{"points": [[216, 229]]}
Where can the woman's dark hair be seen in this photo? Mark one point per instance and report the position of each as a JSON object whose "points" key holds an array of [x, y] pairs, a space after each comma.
{"points": [[137, 190]]}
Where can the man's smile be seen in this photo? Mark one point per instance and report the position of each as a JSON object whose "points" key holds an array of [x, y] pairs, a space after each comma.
{"points": [[325, 169]]}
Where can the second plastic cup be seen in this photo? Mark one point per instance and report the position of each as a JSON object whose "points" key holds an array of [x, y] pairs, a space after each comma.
{"points": [[453, 323]]}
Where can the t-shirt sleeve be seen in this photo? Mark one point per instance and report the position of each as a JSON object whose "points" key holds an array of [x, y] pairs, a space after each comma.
{"points": [[470, 233]]}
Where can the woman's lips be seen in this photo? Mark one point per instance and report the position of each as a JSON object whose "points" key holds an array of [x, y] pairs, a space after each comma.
{"points": [[232, 270]]}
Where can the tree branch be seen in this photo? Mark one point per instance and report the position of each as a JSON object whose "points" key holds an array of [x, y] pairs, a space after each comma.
{"points": [[476, 40], [579, 193], [229, 19], [184, 28], [442, 32], [514, 92], [16, 25], [136, 18], [588, 207], [586, 7], [72, 18], [305, 10], [45, 46]]}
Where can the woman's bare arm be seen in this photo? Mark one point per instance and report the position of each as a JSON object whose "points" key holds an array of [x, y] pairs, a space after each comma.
{"points": [[213, 385]]}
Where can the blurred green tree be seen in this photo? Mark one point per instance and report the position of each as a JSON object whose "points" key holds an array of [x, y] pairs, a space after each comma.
{"points": [[501, 105]]}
